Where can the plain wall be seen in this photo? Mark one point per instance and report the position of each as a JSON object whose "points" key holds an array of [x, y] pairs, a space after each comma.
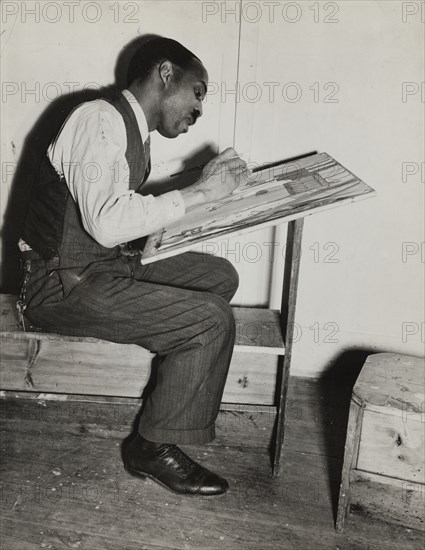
{"points": [[324, 76], [361, 284]]}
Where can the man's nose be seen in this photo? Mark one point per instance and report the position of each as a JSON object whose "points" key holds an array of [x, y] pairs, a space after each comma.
{"points": [[198, 111]]}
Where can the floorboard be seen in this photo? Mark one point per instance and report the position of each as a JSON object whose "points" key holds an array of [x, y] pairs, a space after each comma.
{"points": [[63, 484]]}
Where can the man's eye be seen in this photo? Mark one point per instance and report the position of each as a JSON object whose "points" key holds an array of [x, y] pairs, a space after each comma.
{"points": [[198, 93]]}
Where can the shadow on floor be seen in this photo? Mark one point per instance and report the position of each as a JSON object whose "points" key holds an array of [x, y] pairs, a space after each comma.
{"points": [[336, 385]]}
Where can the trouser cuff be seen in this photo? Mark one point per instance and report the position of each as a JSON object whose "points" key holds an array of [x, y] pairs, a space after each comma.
{"points": [[177, 437]]}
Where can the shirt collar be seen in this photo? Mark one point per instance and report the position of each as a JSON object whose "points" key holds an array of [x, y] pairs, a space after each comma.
{"points": [[140, 115]]}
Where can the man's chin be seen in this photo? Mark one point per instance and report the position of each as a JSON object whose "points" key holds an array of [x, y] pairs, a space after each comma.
{"points": [[168, 134], [173, 131]]}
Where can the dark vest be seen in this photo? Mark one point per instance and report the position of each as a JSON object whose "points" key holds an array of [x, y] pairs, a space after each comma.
{"points": [[53, 226]]}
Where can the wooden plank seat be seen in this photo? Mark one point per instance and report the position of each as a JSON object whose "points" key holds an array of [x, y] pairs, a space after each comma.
{"points": [[51, 363]]}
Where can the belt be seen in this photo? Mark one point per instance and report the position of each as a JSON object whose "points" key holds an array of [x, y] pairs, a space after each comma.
{"points": [[125, 250], [30, 255]]}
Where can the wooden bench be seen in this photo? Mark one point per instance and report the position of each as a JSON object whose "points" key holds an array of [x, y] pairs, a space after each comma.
{"points": [[50, 363], [384, 463]]}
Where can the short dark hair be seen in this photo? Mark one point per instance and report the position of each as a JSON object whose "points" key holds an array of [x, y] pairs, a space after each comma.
{"points": [[156, 51]]}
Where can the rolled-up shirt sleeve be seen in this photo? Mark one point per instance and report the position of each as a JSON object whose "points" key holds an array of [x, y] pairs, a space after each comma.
{"points": [[90, 153]]}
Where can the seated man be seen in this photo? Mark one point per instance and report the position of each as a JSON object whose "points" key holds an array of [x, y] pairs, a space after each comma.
{"points": [[83, 275]]}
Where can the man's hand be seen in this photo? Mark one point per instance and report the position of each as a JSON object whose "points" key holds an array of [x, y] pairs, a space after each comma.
{"points": [[219, 178], [222, 175]]}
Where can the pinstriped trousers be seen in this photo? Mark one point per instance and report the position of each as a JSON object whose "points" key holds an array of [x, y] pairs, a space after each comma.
{"points": [[177, 308]]}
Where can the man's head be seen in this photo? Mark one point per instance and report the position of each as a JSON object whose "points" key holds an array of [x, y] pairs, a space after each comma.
{"points": [[170, 82]]}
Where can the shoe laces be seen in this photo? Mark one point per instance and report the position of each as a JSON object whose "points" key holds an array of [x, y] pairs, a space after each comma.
{"points": [[184, 461]]}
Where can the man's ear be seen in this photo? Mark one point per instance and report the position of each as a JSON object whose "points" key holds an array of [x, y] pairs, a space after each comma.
{"points": [[166, 71]]}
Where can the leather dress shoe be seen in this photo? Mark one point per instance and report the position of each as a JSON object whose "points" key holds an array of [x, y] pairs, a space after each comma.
{"points": [[172, 468]]}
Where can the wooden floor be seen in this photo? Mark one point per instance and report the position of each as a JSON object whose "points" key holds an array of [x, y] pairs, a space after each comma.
{"points": [[63, 485]]}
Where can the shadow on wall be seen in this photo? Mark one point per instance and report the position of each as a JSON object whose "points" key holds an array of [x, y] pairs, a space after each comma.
{"points": [[34, 148]]}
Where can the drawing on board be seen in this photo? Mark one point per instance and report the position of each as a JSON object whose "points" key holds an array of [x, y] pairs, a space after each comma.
{"points": [[291, 189]]}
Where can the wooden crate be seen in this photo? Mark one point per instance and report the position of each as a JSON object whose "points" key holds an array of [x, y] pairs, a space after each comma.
{"points": [[384, 463], [50, 363]]}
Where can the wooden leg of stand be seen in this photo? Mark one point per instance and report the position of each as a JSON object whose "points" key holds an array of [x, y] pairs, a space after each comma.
{"points": [[289, 299]]}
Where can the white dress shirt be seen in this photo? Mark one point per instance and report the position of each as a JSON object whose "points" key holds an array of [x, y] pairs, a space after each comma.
{"points": [[89, 152]]}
